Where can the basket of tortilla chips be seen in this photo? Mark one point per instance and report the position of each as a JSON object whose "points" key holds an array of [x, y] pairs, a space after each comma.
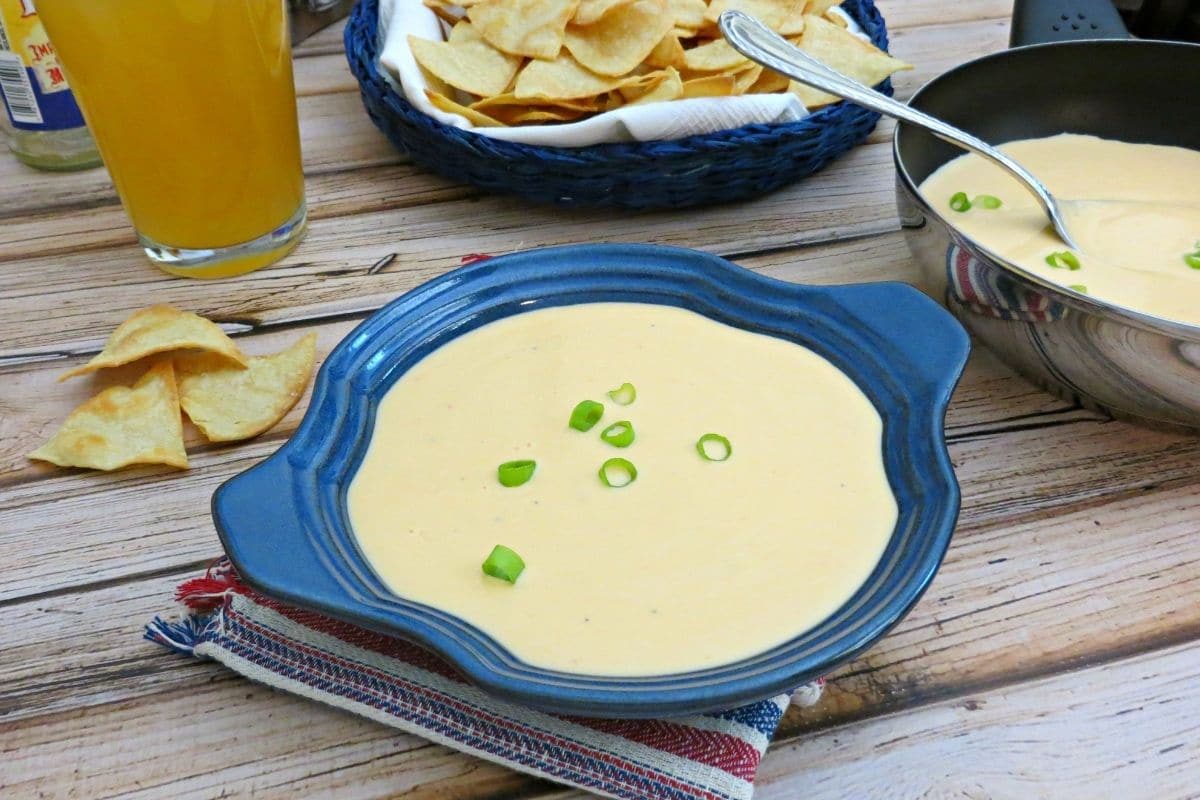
{"points": [[508, 63]]}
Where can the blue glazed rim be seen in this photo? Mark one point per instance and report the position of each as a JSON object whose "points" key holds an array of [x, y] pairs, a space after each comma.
{"points": [[283, 522]]}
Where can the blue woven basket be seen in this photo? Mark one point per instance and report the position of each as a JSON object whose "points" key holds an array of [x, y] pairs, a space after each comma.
{"points": [[710, 168]]}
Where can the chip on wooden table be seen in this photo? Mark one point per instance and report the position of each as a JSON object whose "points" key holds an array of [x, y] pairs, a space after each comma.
{"points": [[847, 54], [229, 404], [466, 61], [531, 28], [123, 425], [158, 329]]}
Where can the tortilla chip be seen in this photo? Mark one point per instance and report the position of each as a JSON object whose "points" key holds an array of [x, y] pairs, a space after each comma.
{"points": [[531, 28], [592, 10], [782, 16], [711, 86], [667, 53], [769, 82], [744, 77], [489, 104], [818, 7], [561, 79], [122, 425], [517, 115], [476, 118], [846, 53], [228, 405], [158, 329], [446, 10], [715, 56], [622, 39], [687, 13], [669, 88], [466, 61], [837, 19]]}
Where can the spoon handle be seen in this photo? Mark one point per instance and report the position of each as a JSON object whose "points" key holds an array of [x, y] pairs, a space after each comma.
{"points": [[759, 43]]}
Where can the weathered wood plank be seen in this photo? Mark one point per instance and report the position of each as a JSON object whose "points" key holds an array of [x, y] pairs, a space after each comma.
{"points": [[82, 296], [1087, 460], [33, 402], [325, 41], [1129, 727], [337, 135], [1131, 724], [102, 234], [1000, 581], [335, 132]]}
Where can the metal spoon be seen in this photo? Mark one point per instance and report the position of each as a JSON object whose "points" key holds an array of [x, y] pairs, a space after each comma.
{"points": [[759, 43]]}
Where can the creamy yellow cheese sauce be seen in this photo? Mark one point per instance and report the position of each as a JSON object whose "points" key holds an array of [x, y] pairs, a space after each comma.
{"points": [[695, 564], [1134, 210]]}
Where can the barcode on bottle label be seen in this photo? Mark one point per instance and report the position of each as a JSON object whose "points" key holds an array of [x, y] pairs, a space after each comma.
{"points": [[17, 91]]}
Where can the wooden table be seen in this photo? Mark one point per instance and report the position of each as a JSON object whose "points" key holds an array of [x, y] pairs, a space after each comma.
{"points": [[1056, 654]]}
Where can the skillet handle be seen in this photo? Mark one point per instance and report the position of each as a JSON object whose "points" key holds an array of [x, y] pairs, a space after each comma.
{"points": [[1041, 21]]}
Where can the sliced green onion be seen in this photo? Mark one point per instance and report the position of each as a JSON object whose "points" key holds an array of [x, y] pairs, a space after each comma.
{"points": [[514, 473], [714, 447], [1064, 259], [623, 395], [1079, 287], [988, 201], [617, 472], [1192, 260], [586, 414], [959, 202], [504, 564], [619, 434]]}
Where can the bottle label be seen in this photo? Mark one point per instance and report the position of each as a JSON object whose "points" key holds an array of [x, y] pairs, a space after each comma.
{"points": [[32, 82]]}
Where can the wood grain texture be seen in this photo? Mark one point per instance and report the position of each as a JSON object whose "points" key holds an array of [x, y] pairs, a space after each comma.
{"points": [[336, 131], [1054, 653]]}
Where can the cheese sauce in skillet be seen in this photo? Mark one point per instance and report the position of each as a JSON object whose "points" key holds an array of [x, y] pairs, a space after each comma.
{"points": [[694, 564], [1134, 210]]}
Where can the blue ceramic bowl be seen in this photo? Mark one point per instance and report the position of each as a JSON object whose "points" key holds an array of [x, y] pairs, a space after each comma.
{"points": [[284, 522]]}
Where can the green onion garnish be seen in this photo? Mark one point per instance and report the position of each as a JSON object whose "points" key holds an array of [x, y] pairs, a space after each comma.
{"points": [[1192, 260], [714, 447], [959, 202], [619, 434], [1079, 287], [988, 201], [1064, 259], [514, 473], [504, 564], [586, 414], [617, 472], [623, 395]]}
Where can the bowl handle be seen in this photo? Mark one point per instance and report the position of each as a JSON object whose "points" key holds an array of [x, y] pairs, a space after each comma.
{"points": [[934, 346], [264, 533]]}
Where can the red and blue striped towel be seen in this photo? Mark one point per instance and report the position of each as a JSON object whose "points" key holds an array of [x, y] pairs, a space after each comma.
{"points": [[703, 757]]}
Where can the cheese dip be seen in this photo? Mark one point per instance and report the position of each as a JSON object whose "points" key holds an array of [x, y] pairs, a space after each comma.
{"points": [[695, 564], [1134, 210]]}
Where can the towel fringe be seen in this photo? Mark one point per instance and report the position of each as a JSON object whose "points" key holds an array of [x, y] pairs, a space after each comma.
{"points": [[205, 594], [180, 636]]}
